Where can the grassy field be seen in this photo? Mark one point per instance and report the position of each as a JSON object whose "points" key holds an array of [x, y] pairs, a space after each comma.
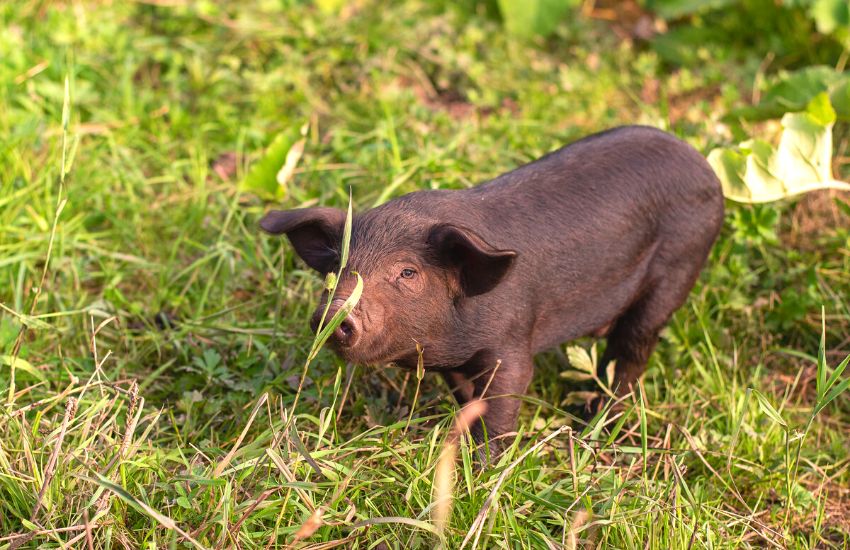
{"points": [[161, 340]]}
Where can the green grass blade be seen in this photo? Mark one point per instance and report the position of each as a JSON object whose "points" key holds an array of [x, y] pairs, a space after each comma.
{"points": [[769, 410], [346, 235], [821, 373], [832, 394], [338, 317]]}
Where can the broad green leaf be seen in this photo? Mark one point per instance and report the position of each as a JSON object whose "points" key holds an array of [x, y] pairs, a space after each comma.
{"points": [[262, 177], [839, 96], [831, 15], [802, 162], [792, 91], [528, 18], [682, 45]]}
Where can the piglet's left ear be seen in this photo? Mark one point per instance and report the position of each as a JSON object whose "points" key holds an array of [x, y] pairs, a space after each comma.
{"points": [[314, 233], [480, 266]]}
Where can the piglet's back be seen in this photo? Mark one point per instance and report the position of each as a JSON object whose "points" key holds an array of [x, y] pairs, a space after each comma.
{"points": [[625, 179], [594, 223]]}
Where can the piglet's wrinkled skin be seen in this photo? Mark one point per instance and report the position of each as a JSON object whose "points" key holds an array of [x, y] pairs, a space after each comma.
{"points": [[605, 236]]}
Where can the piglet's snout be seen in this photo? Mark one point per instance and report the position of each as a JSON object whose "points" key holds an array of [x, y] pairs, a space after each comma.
{"points": [[348, 332]]}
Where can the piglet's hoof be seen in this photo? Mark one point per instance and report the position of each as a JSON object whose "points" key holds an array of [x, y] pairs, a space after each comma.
{"points": [[490, 451]]}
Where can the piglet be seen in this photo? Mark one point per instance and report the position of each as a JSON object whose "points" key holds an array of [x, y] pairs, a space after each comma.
{"points": [[603, 237]]}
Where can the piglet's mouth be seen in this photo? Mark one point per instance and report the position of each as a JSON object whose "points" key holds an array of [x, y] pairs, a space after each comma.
{"points": [[367, 352], [360, 354]]}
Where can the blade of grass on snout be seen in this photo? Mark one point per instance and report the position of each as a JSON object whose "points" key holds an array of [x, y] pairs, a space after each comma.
{"points": [[349, 304], [341, 314], [346, 236], [331, 287]]}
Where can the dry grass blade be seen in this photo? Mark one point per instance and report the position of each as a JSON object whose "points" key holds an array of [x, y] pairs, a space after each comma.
{"points": [[444, 473], [134, 411], [423, 525], [578, 522], [89, 538], [444, 486], [28, 536], [277, 460], [226, 461], [490, 379], [21, 539], [50, 469], [309, 527], [260, 499], [333, 543], [292, 158], [99, 361]]}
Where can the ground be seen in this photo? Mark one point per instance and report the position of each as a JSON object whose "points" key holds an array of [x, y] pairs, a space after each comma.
{"points": [[162, 340]]}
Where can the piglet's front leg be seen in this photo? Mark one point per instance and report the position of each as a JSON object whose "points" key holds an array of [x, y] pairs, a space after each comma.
{"points": [[498, 379]]}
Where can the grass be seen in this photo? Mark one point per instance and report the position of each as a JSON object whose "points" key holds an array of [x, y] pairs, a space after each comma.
{"points": [[161, 340]]}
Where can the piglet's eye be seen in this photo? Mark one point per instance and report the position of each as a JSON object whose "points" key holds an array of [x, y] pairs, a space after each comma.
{"points": [[407, 273]]}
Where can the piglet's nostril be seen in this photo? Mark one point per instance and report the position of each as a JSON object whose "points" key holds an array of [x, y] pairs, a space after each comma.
{"points": [[326, 313], [348, 332]]}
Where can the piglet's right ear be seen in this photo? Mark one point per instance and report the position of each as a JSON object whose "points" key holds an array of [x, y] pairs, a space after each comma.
{"points": [[315, 233], [479, 266]]}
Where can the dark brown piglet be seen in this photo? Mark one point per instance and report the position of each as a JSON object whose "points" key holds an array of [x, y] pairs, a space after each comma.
{"points": [[603, 237]]}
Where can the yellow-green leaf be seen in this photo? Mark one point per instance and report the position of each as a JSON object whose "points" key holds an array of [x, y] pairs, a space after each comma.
{"points": [[22, 365], [756, 172], [580, 359], [268, 176]]}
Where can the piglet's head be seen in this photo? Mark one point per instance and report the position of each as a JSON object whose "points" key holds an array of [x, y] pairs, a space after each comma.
{"points": [[417, 277]]}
